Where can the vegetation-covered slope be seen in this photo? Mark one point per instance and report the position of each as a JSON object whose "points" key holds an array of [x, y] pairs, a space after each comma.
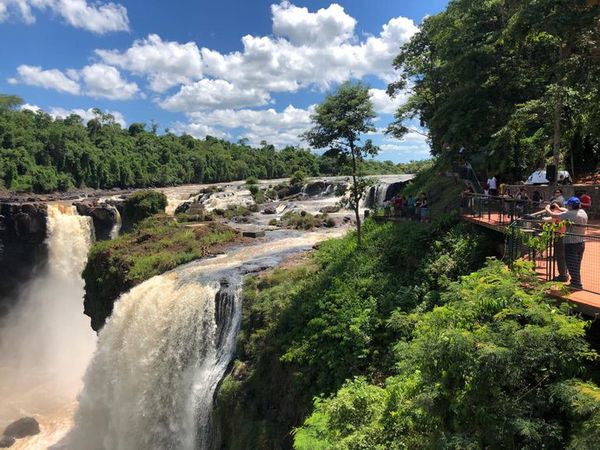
{"points": [[306, 330]]}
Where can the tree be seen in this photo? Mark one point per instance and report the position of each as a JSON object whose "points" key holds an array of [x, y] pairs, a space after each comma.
{"points": [[338, 124], [10, 102]]}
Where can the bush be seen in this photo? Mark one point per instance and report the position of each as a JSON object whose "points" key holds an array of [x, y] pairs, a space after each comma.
{"points": [[490, 368], [252, 180], [299, 177], [143, 204]]}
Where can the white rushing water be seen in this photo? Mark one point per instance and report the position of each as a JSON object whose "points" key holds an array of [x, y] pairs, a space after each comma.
{"points": [[164, 350], [45, 341], [116, 229]]}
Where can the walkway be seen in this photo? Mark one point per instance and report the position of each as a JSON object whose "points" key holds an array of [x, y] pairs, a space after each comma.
{"points": [[588, 300]]}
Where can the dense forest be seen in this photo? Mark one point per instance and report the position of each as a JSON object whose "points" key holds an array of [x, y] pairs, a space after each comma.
{"points": [[41, 154], [516, 83]]}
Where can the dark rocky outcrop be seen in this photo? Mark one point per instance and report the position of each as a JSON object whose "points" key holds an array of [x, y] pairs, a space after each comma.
{"points": [[6, 441], [22, 246], [25, 426], [104, 216], [315, 188]]}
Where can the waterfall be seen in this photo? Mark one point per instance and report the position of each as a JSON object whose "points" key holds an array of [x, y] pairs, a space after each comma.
{"points": [[116, 229], [46, 341], [159, 359]]}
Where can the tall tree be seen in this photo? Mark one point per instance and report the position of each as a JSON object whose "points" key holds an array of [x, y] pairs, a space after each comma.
{"points": [[339, 123]]}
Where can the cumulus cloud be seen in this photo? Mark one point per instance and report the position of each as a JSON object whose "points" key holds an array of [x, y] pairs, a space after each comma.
{"points": [[279, 64], [105, 81], [98, 18], [328, 26], [166, 63], [384, 104], [47, 79], [413, 144], [279, 128], [213, 94], [307, 50], [96, 80]]}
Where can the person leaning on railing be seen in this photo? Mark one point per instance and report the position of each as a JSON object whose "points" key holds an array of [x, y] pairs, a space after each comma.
{"points": [[576, 219]]}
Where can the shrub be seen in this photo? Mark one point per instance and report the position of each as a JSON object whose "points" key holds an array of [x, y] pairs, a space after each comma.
{"points": [[143, 204], [251, 180], [299, 177]]}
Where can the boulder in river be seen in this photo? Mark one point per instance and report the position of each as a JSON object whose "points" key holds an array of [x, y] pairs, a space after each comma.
{"points": [[25, 426], [6, 441]]}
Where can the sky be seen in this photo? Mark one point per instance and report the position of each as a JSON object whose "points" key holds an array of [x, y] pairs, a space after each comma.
{"points": [[231, 69]]}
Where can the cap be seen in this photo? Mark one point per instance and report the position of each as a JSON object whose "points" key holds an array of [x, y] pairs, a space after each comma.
{"points": [[573, 201]]}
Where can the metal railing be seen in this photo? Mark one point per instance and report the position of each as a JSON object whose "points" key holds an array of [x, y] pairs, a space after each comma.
{"points": [[498, 210], [568, 252]]}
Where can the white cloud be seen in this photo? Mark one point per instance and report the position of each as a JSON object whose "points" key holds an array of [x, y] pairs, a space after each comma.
{"points": [[106, 82], [98, 18], [29, 107], [307, 50], [48, 79], [97, 80], [384, 104], [413, 144], [85, 114], [278, 64], [278, 128], [328, 26], [166, 63], [214, 94]]}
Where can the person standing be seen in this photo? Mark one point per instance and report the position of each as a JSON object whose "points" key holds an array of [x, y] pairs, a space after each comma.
{"points": [[558, 198], [574, 239], [586, 201], [492, 186]]}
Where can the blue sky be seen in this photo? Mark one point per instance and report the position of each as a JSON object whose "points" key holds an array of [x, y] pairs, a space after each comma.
{"points": [[232, 69]]}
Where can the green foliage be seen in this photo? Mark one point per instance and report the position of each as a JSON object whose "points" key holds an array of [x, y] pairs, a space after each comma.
{"points": [[491, 76], [299, 177], [339, 122], [251, 180], [156, 245], [307, 329], [143, 204], [40, 153], [482, 370]]}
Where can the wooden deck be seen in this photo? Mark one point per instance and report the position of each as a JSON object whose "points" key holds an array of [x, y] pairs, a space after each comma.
{"points": [[586, 301]]}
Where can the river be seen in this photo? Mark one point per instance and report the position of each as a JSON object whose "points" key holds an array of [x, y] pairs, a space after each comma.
{"points": [[148, 380]]}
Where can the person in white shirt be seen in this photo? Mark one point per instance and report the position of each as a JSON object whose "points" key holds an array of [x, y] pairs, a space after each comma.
{"points": [[493, 186]]}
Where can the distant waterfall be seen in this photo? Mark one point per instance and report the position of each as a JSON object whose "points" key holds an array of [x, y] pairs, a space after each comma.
{"points": [[376, 195], [46, 341], [116, 229], [159, 359]]}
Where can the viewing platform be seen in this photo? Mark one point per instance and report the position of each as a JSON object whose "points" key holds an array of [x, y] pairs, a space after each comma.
{"points": [[521, 220]]}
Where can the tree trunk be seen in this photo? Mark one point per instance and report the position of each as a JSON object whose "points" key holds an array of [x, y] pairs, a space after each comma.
{"points": [[556, 147], [356, 196]]}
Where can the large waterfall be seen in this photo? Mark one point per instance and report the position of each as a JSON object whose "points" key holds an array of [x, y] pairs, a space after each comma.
{"points": [[159, 359], [163, 351], [46, 341]]}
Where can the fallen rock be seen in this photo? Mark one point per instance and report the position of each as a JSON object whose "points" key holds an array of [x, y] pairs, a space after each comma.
{"points": [[25, 426], [269, 210], [329, 209], [6, 441], [253, 234]]}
